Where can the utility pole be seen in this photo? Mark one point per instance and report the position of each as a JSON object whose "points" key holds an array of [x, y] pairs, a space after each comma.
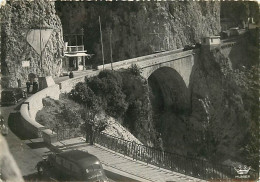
{"points": [[111, 53], [101, 42], [40, 43]]}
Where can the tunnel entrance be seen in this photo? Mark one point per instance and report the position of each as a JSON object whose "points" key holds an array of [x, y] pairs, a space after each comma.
{"points": [[170, 99]]}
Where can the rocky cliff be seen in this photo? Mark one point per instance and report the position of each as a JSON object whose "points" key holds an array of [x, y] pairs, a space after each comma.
{"points": [[18, 18], [139, 28], [224, 103]]}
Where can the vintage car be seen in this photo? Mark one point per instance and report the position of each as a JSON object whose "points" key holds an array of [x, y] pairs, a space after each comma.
{"points": [[72, 165], [12, 95]]}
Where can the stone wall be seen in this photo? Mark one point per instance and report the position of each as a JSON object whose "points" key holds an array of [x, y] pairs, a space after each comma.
{"points": [[32, 105], [18, 19]]}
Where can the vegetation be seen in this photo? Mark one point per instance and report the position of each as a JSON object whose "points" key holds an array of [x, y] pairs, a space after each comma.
{"points": [[239, 11], [122, 95]]}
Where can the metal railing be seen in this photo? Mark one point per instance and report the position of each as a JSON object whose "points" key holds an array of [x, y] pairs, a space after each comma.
{"points": [[182, 164], [75, 48], [227, 45], [65, 132]]}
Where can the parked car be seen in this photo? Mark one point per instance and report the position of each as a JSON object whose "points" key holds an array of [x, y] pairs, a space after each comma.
{"points": [[12, 95], [72, 165], [197, 45], [188, 47]]}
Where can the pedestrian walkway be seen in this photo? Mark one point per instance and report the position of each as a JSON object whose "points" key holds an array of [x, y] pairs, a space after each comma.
{"points": [[123, 165]]}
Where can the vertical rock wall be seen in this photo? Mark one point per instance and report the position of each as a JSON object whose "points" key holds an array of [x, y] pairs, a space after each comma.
{"points": [[18, 18], [139, 28]]}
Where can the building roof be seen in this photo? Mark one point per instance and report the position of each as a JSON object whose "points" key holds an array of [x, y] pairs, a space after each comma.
{"points": [[213, 36], [78, 54], [83, 159]]}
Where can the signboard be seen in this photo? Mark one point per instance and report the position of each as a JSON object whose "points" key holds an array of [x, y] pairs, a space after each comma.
{"points": [[25, 63], [38, 38]]}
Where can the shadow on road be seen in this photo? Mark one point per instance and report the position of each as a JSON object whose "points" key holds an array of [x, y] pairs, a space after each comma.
{"points": [[37, 145], [35, 177], [17, 108], [15, 125]]}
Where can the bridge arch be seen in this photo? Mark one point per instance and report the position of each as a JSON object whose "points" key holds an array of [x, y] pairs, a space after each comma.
{"points": [[170, 100], [182, 65], [169, 90]]}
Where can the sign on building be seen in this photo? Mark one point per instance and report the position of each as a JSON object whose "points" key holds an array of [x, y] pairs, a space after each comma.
{"points": [[25, 63]]}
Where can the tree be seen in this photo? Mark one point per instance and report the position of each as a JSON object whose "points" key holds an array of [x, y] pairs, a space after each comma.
{"points": [[71, 117], [82, 94], [91, 122]]}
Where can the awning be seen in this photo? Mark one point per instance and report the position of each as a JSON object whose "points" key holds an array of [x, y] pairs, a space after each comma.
{"points": [[78, 54]]}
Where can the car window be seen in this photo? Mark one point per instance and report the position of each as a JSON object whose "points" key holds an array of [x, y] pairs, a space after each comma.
{"points": [[89, 169], [18, 91], [59, 161], [8, 95], [96, 167]]}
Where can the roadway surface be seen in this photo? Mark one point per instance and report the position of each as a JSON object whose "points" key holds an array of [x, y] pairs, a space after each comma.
{"points": [[27, 150], [26, 156], [126, 168], [75, 73]]}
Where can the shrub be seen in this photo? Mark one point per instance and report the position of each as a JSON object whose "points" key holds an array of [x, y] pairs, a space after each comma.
{"points": [[135, 70], [71, 117], [82, 94]]}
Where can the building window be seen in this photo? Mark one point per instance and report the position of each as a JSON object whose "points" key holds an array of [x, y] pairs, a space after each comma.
{"points": [[211, 40]]}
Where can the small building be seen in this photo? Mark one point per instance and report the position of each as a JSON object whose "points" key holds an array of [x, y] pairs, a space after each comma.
{"points": [[75, 55], [211, 41]]}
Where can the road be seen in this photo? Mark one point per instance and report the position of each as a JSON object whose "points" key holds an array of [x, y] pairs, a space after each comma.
{"points": [[26, 150], [75, 73], [25, 155]]}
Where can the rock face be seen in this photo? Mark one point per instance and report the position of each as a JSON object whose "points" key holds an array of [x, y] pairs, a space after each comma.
{"points": [[139, 28], [20, 17], [220, 120], [224, 104]]}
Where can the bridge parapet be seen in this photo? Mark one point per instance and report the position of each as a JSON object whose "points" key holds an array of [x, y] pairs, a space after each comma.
{"points": [[162, 59], [128, 62]]}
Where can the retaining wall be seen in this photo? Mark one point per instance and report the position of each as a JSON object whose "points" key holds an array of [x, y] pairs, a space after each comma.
{"points": [[32, 105]]}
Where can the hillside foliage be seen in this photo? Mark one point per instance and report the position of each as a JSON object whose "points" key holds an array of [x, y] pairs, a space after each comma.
{"points": [[122, 95]]}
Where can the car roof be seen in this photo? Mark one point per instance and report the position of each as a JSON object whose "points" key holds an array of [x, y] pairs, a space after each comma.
{"points": [[83, 159], [11, 89]]}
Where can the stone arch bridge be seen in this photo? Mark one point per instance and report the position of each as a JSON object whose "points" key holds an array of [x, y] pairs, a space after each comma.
{"points": [[178, 60]]}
